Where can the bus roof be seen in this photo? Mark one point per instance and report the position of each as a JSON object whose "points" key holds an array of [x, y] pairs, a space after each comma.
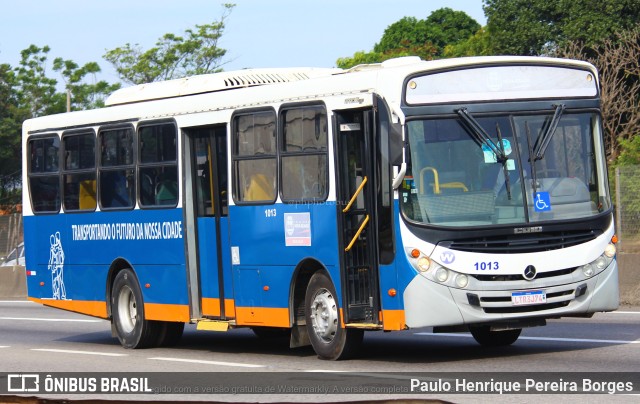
{"points": [[224, 81], [208, 83]]}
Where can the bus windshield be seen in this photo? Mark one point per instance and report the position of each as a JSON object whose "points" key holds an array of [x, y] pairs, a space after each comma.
{"points": [[504, 169]]}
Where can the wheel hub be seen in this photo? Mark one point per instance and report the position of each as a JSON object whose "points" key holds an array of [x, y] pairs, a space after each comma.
{"points": [[324, 315], [127, 309]]}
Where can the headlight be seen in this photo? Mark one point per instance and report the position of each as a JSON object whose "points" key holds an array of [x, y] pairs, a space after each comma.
{"points": [[434, 271], [587, 270], [610, 251], [424, 264], [600, 263], [442, 274], [462, 281]]}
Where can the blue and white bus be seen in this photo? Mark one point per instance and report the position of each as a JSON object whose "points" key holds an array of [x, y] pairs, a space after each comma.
{"points": [[466, 195]]}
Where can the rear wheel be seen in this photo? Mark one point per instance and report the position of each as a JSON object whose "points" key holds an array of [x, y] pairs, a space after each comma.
{"points": [[486, 337], [328, 338], [127, 308]]}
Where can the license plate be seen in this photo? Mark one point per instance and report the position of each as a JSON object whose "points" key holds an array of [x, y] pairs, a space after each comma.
{"points": [[528, 297]]}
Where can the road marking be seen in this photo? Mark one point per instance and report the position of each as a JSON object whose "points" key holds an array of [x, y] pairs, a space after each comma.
{"points": [[5, 346], [15, 301], [600, 341], [241, 365], [325, 371], [78, 352], [52, 319]]}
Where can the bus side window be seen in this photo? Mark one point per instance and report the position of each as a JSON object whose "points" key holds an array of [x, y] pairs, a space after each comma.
{"points": [[44, 180], [259, 188], [116, 181], [79, 171], [304, 153], [254, 157], [158, 172]]}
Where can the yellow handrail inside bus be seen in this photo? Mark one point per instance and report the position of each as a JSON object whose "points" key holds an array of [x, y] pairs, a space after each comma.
{"points": [[355, 195], [364, 223], [436, 182]]}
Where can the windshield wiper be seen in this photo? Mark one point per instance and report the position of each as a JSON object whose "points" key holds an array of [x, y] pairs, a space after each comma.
{"points": [[482, 138], [505, 169], [547, 133], [534, 179]]}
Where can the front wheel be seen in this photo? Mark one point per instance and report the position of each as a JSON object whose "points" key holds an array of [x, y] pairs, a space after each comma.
{"points": [[486, 337], [328, 338], [127, 308]]}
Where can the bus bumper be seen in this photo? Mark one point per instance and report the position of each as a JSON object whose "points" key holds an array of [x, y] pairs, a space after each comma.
{"points": [[428, 304]]}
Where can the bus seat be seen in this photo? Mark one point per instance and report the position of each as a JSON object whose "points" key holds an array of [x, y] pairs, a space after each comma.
{"points": [[259, 189], [87, 194], [166, 193]]}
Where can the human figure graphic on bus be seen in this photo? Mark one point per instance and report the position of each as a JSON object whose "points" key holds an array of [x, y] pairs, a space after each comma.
{"points": [[56, 265]]}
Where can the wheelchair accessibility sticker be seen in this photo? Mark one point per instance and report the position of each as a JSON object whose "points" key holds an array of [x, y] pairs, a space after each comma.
{"points": [[542, 202]]}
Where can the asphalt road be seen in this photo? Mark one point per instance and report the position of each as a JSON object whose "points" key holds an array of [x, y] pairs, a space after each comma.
{"points": [[39, 339]]}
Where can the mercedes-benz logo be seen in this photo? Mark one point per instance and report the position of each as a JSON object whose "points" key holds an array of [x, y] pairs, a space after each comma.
{"points": [[529, 272]]}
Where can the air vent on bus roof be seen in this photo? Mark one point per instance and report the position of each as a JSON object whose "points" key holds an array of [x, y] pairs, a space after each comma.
{"points": [[207, 83]]}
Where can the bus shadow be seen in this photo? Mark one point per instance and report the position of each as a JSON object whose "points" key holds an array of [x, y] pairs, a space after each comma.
{"points": [[412, 346], [427, 348]]}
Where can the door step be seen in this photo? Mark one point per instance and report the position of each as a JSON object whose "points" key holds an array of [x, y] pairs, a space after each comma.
{"points": [[214, 325]]}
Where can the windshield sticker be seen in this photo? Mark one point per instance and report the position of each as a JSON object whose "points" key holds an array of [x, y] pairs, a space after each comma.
{"points": [[511, 164], [506, 146], [409, 184], [542, 202], [489, 156]]}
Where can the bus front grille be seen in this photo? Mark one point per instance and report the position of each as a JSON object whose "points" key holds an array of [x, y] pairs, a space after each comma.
{"points": [[523, 243], [520, 277]]}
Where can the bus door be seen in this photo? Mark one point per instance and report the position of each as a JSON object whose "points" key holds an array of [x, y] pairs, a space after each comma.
{"points": [[207, 225], [355, 176]]}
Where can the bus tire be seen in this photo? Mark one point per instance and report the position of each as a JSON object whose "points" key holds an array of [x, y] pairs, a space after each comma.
{"points": [[328, 339], [127, 307], [485, 337]]}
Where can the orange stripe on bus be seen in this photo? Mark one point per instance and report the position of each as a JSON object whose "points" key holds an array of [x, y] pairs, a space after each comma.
{"points": [[167, 312], [393, 320], [270, 316], [211, 307], [88, 307]]}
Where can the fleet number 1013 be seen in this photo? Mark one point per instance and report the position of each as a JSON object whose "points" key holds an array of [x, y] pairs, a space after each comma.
{"points": [[487, 266]]}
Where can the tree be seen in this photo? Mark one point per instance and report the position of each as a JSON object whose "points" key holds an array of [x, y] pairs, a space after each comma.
{"points": [[27, 91], [443, 27], [10, 138], [196, 52], [35, 91], [410, 36], [617, 62], [476, 45], [82, 95], [537, 27]]}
